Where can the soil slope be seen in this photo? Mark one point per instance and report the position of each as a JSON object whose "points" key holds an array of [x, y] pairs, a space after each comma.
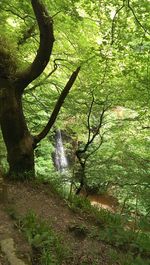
{"points": [[24, 197]]}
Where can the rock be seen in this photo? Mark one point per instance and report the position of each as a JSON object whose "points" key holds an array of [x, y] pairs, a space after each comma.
{"points": [[7, 247], [79, 231]]}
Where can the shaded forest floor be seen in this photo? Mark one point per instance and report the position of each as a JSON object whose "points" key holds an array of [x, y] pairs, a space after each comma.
{"points": [[76, 230]]}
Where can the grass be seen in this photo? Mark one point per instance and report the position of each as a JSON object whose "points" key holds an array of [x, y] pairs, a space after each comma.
{"points": [[46, 245], [47, 248], [111, 230], [125, 246]]}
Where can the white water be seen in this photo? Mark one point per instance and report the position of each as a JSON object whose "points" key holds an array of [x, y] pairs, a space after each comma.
{"points": [[60, 156]]}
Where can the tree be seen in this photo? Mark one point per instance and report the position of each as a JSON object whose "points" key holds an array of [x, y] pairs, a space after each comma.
{"points": [[83, 153], [19, 142]]}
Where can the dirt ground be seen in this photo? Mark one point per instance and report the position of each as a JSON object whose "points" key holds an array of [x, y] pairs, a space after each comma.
{"points": [[49, 207], [8, 230]]}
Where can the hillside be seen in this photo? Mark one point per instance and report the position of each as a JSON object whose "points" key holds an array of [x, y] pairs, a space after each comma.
{"points": [[74, 234]]}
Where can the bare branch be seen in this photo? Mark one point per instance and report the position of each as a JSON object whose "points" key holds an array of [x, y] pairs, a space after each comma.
{"points": [[81, 153], [57, 107], [96, 149], [56, 14]]}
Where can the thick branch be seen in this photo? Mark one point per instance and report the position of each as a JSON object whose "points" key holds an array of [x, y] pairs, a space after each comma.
{"points": [[42, 82], [45, 25], [57, 107]]}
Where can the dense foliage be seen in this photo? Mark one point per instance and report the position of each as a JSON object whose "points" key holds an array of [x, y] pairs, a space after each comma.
{"points": [[106, 114]]}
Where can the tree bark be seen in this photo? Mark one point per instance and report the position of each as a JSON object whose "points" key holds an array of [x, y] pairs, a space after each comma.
{"points": [[45, 24], [19, 142], [17, 138]]}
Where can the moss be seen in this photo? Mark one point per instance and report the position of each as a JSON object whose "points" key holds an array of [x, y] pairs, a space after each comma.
{"points": [[8, 59]]}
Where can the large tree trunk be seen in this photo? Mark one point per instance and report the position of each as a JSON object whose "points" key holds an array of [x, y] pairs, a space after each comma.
{"points": [[19, 142]]}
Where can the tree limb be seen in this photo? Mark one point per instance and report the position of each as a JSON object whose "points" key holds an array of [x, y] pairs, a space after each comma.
{"points": [[135, 16], [42, 82], [45, 25], [57, 107], [88, 118]]}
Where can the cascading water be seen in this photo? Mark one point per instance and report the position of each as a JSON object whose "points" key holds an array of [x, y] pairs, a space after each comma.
{"points": [[60, 156]]}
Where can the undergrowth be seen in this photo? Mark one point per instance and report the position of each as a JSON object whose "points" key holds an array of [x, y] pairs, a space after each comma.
{"points": [[112, 230], [125, 246], [46, 245]]}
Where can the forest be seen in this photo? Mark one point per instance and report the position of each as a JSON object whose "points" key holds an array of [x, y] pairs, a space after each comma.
{"points": [[75, 131]]}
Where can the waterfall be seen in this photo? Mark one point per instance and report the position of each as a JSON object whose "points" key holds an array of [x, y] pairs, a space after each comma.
{"points": [[60, 156]]}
